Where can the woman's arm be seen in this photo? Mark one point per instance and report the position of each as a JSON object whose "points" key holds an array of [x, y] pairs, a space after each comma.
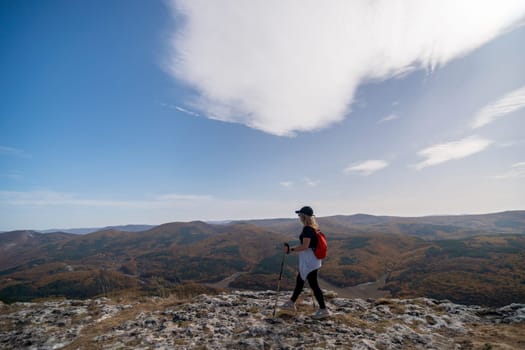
{"points": [[304, 246]]}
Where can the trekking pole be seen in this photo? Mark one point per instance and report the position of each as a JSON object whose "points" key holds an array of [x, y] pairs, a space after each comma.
{"points": [[279, 282]]}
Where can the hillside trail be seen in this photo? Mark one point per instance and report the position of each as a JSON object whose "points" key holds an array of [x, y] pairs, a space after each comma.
{"points": [[225, 283], [366, 290]]}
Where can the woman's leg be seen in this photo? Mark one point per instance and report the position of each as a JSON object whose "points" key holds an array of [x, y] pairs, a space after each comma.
{"points": [[299, 285], [312, 281]]}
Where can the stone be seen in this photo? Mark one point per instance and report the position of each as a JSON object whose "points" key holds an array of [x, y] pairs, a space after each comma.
{"points": [[243, 320]]}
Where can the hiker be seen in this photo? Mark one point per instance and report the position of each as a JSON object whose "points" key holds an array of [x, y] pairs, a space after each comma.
{"points": [[308, 263]]}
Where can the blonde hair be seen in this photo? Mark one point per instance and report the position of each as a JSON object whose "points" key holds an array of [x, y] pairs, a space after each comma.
{"points": [[308, 221]]}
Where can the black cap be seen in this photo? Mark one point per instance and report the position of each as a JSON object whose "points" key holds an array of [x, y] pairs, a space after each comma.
{"points": [[306, 211]]}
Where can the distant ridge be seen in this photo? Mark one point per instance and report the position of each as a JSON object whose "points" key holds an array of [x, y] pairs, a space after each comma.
{"points": [[425, 227], [86, 230], [512, 221], [474, 259]]}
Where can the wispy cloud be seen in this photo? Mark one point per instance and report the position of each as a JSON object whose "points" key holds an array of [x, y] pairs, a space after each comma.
{"points": [[180, 109], [306, 182], [13, 152], [56, 209], [146, 209], [517, 170], [12, 176], [445, 152], [388, 118], [183, 110], [52, 198], [366, 168], [509, 103], [311, 183], [263, 64], [181, 197]]}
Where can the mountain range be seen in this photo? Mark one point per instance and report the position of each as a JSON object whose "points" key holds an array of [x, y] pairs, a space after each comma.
{"points": [[427, 227], [471, 259], [85, 230]]}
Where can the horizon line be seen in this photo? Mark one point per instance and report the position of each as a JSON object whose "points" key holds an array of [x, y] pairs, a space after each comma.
{"points": [[227, 221]]}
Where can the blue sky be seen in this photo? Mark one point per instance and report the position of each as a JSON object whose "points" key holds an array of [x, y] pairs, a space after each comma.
{"points": [[121, 112]]}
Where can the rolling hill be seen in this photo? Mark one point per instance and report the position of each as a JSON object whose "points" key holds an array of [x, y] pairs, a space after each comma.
{"points": [[427, 227], [484, 263]]}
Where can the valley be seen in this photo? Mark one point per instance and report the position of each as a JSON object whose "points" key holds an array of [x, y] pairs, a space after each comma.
{"points": [[368, 257]]}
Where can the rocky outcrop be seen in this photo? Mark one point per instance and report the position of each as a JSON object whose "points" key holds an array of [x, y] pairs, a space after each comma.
{"points": [[243, 320]]}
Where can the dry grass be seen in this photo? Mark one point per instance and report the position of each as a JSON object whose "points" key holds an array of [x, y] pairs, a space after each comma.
{"points": [[352, 321], [143, 304], [86, 338], [393, 305], [496, 337]]}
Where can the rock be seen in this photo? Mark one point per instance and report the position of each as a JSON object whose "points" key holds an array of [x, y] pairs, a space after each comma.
{"points": [[243, 320]]}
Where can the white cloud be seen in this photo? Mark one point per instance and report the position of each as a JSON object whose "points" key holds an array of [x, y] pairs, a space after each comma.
{"points": [[445, 152], [311, 183], [388, 118], [366, 168], [288, 66], [306, 181], [509, 103], [286, 184], [516, 171]]}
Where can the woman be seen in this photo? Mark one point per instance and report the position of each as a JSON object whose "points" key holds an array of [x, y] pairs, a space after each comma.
{"points": [[308, 263]]}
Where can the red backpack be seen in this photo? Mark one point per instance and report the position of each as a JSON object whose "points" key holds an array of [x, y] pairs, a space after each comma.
{"points": [[321, 249]]}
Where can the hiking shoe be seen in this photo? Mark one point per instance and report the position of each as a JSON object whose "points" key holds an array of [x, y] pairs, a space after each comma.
{"points": [[321, 313], [289, 306]]}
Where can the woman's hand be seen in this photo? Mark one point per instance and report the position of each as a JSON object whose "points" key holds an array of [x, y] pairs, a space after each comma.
{"points": [[286, 248]]}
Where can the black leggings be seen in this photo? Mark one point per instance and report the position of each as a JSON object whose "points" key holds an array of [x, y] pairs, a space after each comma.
{"points": [[312, 281]]}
